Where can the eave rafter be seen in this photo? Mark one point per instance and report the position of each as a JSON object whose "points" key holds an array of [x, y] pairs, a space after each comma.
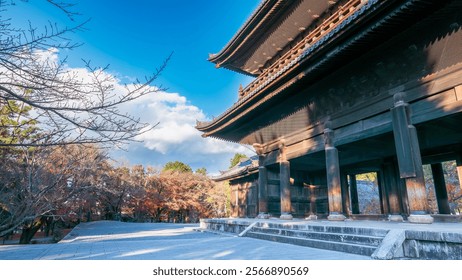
{"points": [[256, 22]]}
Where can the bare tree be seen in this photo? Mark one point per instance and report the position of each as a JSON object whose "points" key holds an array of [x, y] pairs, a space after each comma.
{"points": [[45, 181], [71, 105]]}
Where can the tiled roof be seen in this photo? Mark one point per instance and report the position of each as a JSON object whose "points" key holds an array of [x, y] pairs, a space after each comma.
{"points": [[245, 167]]}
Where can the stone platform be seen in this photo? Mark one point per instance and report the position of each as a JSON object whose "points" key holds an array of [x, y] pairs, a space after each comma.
{"points": [[379, 240]]}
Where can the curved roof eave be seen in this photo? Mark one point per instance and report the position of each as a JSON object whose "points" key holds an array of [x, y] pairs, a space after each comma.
{"points": [[265, 7]]}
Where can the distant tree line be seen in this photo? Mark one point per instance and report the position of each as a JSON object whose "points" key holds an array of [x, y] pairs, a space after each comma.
{"points": [[48, 188]]}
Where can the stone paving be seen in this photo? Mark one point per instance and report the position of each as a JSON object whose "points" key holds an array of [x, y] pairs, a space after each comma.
{"points": [[109, 240], [434, 227]]}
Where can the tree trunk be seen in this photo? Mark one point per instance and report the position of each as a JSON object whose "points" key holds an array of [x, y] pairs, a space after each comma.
{"points": [[157, 216], [28, 232], [48, 225]]}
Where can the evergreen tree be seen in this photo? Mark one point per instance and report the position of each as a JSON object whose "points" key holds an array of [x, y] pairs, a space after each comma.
{"points": [[202, 171], [177, 166], [236, 159], [16, 125]]}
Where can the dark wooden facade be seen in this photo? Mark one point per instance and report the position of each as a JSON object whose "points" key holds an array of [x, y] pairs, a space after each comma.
{"points": [[359, 87]]}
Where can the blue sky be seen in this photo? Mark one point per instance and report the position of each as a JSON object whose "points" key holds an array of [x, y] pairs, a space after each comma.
{"points": [[133, 38]]}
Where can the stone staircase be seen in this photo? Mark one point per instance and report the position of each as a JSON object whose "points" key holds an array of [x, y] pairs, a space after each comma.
{"points": [[353, 240], [382, 241]]}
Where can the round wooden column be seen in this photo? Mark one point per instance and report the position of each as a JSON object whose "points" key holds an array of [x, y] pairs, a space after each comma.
{"points": [[284, 184], [262, 193], [313, 212], [393, 192], [410, 161], [286, 205], [333, 176]]}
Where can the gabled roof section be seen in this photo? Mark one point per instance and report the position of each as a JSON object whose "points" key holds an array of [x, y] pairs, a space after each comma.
{"points": [[244, 168], [272, 29]]}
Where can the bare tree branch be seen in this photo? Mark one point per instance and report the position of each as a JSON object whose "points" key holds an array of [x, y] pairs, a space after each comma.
{"points": [[71, 105]]}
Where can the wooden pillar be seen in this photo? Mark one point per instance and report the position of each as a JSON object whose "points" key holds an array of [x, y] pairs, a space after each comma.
{"points": [[346, 195], [382, 193], [333, 176], [354, 195], [440, 189], [313, 212], [410, 161], [236, 205], [284, 184], [242, 194], [391, 185], [286, 206], [262, 190], [262, 184]]}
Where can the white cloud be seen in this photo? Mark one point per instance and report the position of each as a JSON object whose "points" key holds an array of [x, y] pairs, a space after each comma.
{"points": [[176, 130], [175, 137]]}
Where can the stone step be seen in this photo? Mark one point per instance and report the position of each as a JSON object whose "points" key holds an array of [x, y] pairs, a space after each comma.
{"points": [[331, 229], [325, 236], [365, 250]]}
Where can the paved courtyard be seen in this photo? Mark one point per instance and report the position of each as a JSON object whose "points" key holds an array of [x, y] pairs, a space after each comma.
{"points": [[109, 240]]}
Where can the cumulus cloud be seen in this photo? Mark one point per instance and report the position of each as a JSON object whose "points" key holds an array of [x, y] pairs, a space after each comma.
{"points": [[176, 129], [175, 136]]}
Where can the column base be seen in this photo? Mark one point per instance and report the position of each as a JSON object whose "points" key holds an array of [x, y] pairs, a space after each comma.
{"points": [[263, 216], [312, 217], [286, 216], [420, 219], [395, 218], [336, 217]]}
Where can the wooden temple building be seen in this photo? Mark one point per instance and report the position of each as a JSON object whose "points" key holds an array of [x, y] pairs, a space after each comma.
{"points": [[344, 88]]}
